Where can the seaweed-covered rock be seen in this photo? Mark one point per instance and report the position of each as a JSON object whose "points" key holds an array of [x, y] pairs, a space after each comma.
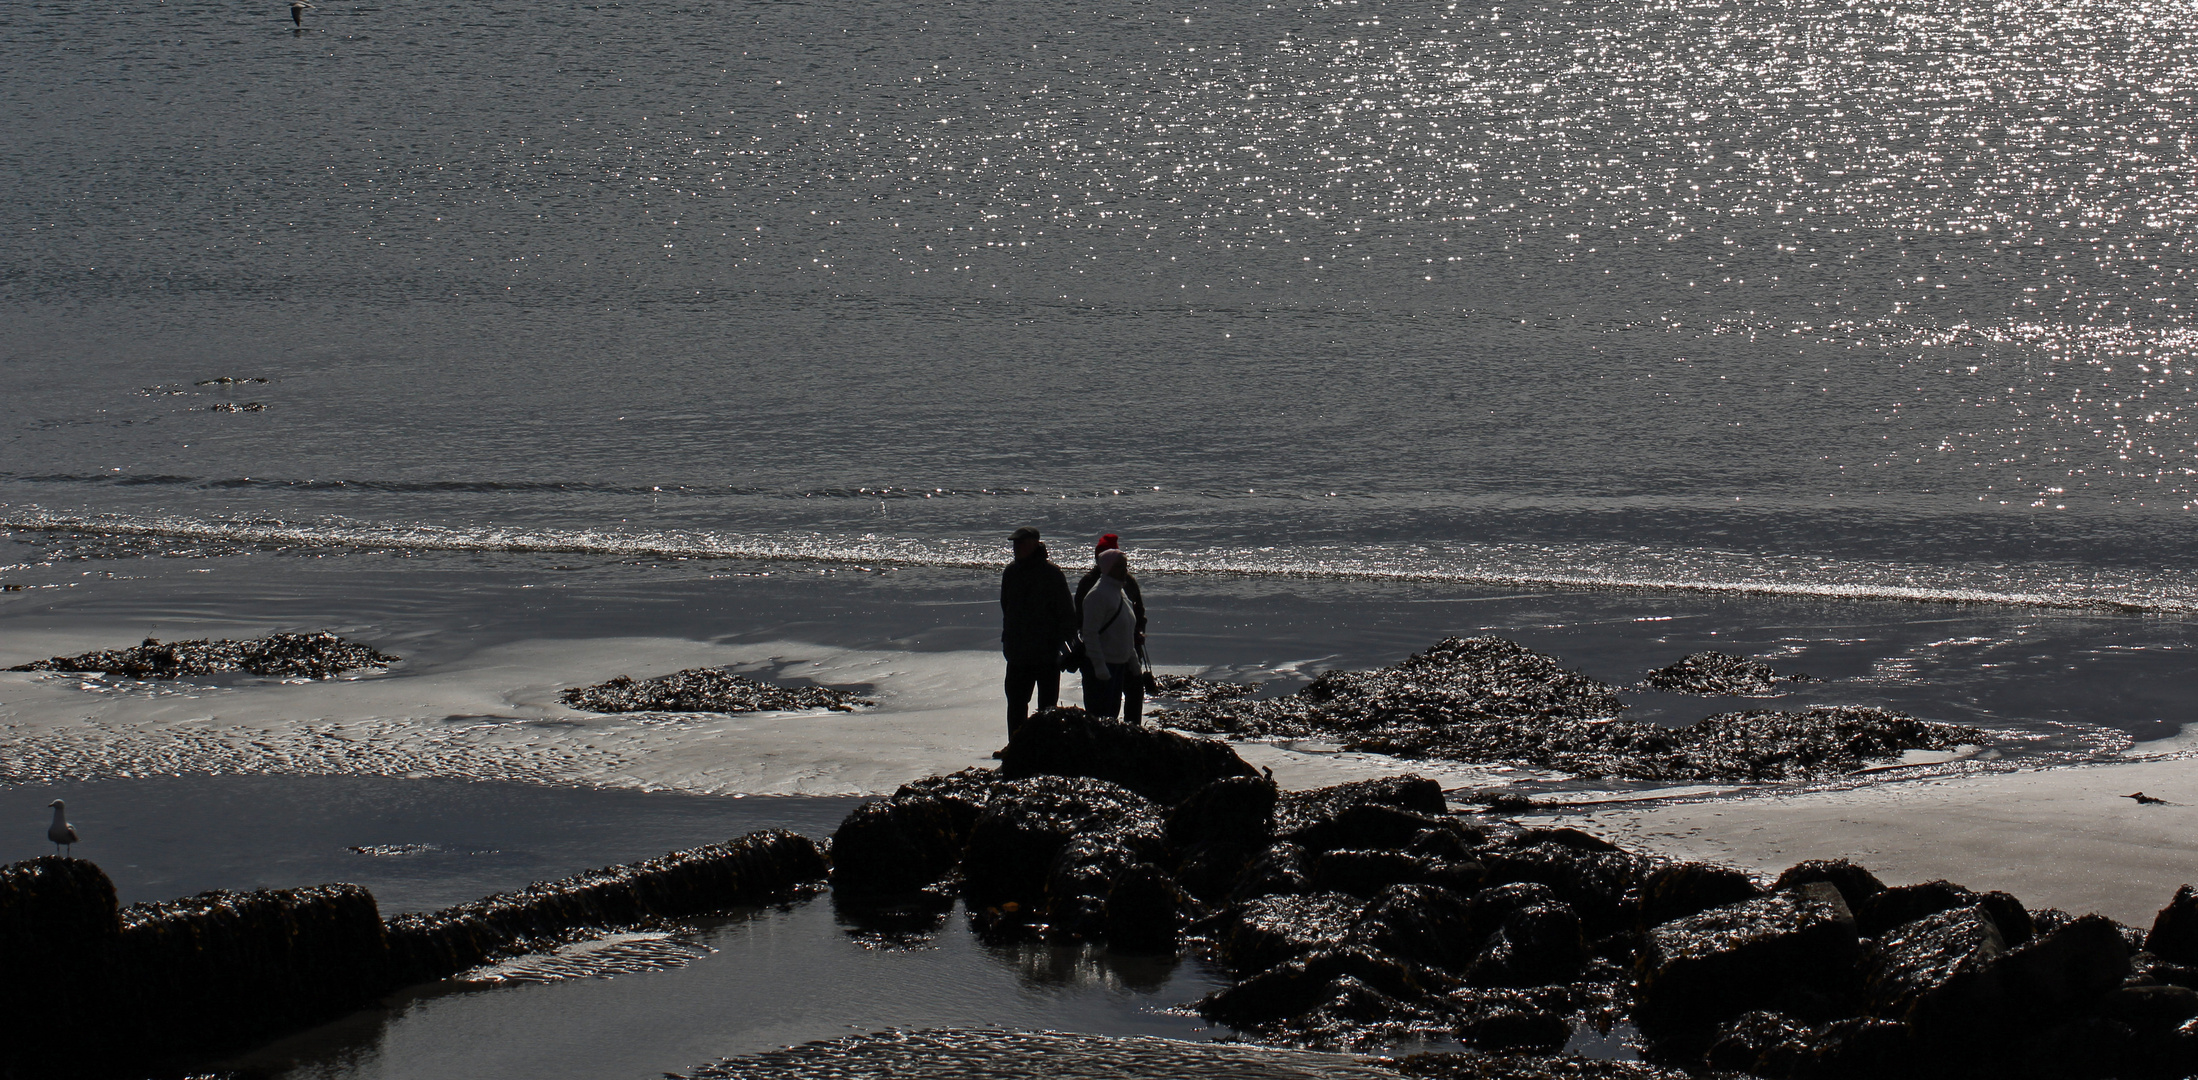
{"points": [[1083, 876], [1762, 1044], [895, 847], [1930, 965], [1375, 827], [1490, 700], [1280, 869], [712, 878], [1714, 673], [1792, 952], [1537, 945], [1357, 987], [1144, 911], [1590, 874], [281, 656], [1026, 824], [1237, 810], [1271, 930], [1902, 904], [1160, 765], [1856, 885], [1301, 815], [1679, 890], [2174, 935], [1425, 924], [706, 690], [1366, 873]]}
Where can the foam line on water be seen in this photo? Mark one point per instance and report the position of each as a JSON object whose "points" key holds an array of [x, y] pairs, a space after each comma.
{"points": [[1498, 565]]}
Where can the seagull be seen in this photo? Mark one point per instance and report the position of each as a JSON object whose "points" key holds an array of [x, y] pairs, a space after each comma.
{"points": [[60, 832], [297, 11]]}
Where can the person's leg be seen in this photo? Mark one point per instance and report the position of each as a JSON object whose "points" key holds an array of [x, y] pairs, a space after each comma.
{"points": [[1095, 684], [1110, 700], [1133, 693], [1049, 686], [1020, 681]]}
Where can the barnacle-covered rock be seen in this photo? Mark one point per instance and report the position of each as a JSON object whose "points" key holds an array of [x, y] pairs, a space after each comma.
{"points": [[279, 656], [706, 690]]}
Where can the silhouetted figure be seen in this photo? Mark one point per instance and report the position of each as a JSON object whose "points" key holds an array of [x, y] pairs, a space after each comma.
{"points": [[1133, 695], [1110, 637], [60, 832], [1037, 619]]}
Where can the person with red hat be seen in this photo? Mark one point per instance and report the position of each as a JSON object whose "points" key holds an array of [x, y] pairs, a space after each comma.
{"points": [[1132, 694]]}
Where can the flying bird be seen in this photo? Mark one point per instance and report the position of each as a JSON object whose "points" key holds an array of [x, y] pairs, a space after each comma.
{"points": [[297, 11], [60, 832]]}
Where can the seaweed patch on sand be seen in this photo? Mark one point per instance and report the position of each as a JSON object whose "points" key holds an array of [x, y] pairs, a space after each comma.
{"points": [[1716, 674], [706, 690], [1488, 700], [278, 656]]}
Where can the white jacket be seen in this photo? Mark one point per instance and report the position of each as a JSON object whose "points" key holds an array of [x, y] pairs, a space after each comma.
{"points": [[1117, 644]]}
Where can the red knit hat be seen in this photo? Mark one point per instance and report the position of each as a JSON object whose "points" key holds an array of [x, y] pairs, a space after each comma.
{"points": [[1108, 541]]}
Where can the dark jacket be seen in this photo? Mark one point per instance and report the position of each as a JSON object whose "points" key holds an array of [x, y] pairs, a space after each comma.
{"points": [[1136, 595], [1037, 616]]}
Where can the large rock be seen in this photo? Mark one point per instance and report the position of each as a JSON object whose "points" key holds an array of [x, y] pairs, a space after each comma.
{"points": [[894, 847], [1160, 765], [1587, 872], [1422, 923], [1791, 952], [1855, 884], [1682, 889], [1026, 824], [1144, 911], [1930, 966], [1899, 905], [2174, 935], [1271, 930], [1537, 945], [1311, 814], [1236, 810], [1085, 873]]}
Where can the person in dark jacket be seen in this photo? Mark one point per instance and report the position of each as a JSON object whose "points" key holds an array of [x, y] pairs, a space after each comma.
{"points": [[1037, 618], [1133, 692]]}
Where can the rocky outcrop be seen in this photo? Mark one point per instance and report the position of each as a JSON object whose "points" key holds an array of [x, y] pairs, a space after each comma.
{"points": [[1159, 765], [706, 690], [280, 656], [1487, 700], [1792, 952]]}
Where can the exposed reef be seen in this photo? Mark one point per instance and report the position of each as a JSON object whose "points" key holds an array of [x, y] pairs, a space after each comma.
{"points": [[1353, 917], [168, 986], [281, 656], [706, 690], [1000, 1055], [1716, 674], [1488, 700]]}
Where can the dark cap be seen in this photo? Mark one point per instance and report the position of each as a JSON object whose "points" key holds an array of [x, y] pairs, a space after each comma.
{"points": [[1022, 534]]}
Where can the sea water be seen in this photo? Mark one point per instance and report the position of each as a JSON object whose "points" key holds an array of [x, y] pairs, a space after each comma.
{"points": [[1881, 299]]}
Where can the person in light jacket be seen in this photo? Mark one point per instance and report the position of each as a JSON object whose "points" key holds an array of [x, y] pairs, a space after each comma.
{"points": [[1133, 695], [1110, 635]]}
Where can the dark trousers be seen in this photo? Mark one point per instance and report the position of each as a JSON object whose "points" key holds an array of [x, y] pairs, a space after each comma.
{"points": [[1025, 675], [1104, 696]]}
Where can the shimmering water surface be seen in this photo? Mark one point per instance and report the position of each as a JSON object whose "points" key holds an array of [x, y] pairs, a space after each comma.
{"points": [[1865, 298]]}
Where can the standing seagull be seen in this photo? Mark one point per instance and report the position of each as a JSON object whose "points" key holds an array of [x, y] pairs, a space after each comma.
{"points": [[60, 832], [297, 11]]}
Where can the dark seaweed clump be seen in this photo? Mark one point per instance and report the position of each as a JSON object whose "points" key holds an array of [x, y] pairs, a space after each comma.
{"points": [[1488, 700], [1191, 690], [1718, 674], [706, 690], [281, 656]]}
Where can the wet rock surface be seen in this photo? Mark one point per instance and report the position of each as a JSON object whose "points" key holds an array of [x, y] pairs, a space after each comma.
{"points": [[1488, 700], [1716, 674], [283, 656], [706, 690]]}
